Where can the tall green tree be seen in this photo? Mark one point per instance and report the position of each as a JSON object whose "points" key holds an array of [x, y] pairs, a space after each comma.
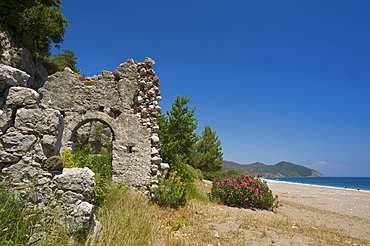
{"points": [[66, 59], [176, 132], [34, 24], [207, 155]]}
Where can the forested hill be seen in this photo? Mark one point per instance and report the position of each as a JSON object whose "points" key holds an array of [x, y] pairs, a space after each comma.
{"points": [[281, 169]]}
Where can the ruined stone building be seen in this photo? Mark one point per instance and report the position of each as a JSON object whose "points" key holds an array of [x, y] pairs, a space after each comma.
{"points": [[40, 116]]}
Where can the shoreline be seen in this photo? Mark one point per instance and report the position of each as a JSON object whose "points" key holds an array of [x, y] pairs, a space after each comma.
{"points": [[315, 185]]}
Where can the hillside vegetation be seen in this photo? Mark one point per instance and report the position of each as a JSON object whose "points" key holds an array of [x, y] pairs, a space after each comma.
{"points": [[281, 169]]}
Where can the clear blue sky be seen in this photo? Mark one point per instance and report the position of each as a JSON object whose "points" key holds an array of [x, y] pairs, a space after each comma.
{"points": [[277, 80]]}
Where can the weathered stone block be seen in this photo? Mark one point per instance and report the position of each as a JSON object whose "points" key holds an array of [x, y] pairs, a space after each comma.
{"points": [[149, 62], [76, 179], [155, 139], [156, 160], [16, 142], [71, 197], [6, 157], [49, 141], [13, 76], [164, 166], [18, 173], [5, 120], [47, 121], [83, 209], [21, 96]]}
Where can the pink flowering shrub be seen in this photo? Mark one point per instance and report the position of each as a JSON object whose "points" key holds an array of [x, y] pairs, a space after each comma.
{"points": [[244, 191]]}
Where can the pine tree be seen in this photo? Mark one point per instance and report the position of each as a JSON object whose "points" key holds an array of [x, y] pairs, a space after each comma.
{"points": [[176, 130], [66, 59], [207, 155]]}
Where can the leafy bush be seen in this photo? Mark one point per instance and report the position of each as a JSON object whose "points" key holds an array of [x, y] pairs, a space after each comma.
{"points": [[244, 191], [100, 164], [170, 191]]}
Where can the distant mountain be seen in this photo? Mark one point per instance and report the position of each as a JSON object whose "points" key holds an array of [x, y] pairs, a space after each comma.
{"points": [[281, 169]]}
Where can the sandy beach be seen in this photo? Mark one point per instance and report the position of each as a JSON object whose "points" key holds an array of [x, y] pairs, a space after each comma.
{"points": [[311, 215], [339, 208], [339, 200]]}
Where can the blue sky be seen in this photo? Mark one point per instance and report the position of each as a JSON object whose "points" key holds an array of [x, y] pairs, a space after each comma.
{"points": [[277, 80]]}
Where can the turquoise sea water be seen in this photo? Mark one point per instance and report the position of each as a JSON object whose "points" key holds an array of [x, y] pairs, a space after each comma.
{"points": [[350, 182]]}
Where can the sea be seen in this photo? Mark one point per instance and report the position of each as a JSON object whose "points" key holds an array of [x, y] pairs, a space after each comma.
{"points": [[363, 183]]}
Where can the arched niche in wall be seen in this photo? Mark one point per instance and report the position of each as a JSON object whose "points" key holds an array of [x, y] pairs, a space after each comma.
{"points": [[95, 133]]}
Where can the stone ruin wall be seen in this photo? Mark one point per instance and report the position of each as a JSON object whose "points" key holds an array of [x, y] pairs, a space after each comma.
{"points": [[126, 100], [36, 126]]}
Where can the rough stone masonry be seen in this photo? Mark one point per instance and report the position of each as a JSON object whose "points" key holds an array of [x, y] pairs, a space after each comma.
{"points": [[127, 101], [39, 120]]}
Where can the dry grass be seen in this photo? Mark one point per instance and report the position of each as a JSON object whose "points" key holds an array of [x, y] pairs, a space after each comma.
{"points": [[129, 219], [212, 224]]}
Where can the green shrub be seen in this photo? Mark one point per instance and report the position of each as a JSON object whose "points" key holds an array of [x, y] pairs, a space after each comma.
{"points": [[170, 191], [185, 171], [244, 191], [211, 175], [177, 224]]}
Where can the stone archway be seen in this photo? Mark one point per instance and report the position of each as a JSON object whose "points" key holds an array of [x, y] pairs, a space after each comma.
{"points": [[94, 132], [127, 101], [131, 151], [89, 123]]}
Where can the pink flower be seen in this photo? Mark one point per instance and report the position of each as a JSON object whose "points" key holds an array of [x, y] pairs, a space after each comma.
{"points": [[246, 199]]}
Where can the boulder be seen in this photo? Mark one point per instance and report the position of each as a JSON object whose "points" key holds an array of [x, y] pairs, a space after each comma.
{"points": [[53, 163]]}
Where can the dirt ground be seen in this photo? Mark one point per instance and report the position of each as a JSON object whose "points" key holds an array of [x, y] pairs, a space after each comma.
{"points": [[311, 215]]}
